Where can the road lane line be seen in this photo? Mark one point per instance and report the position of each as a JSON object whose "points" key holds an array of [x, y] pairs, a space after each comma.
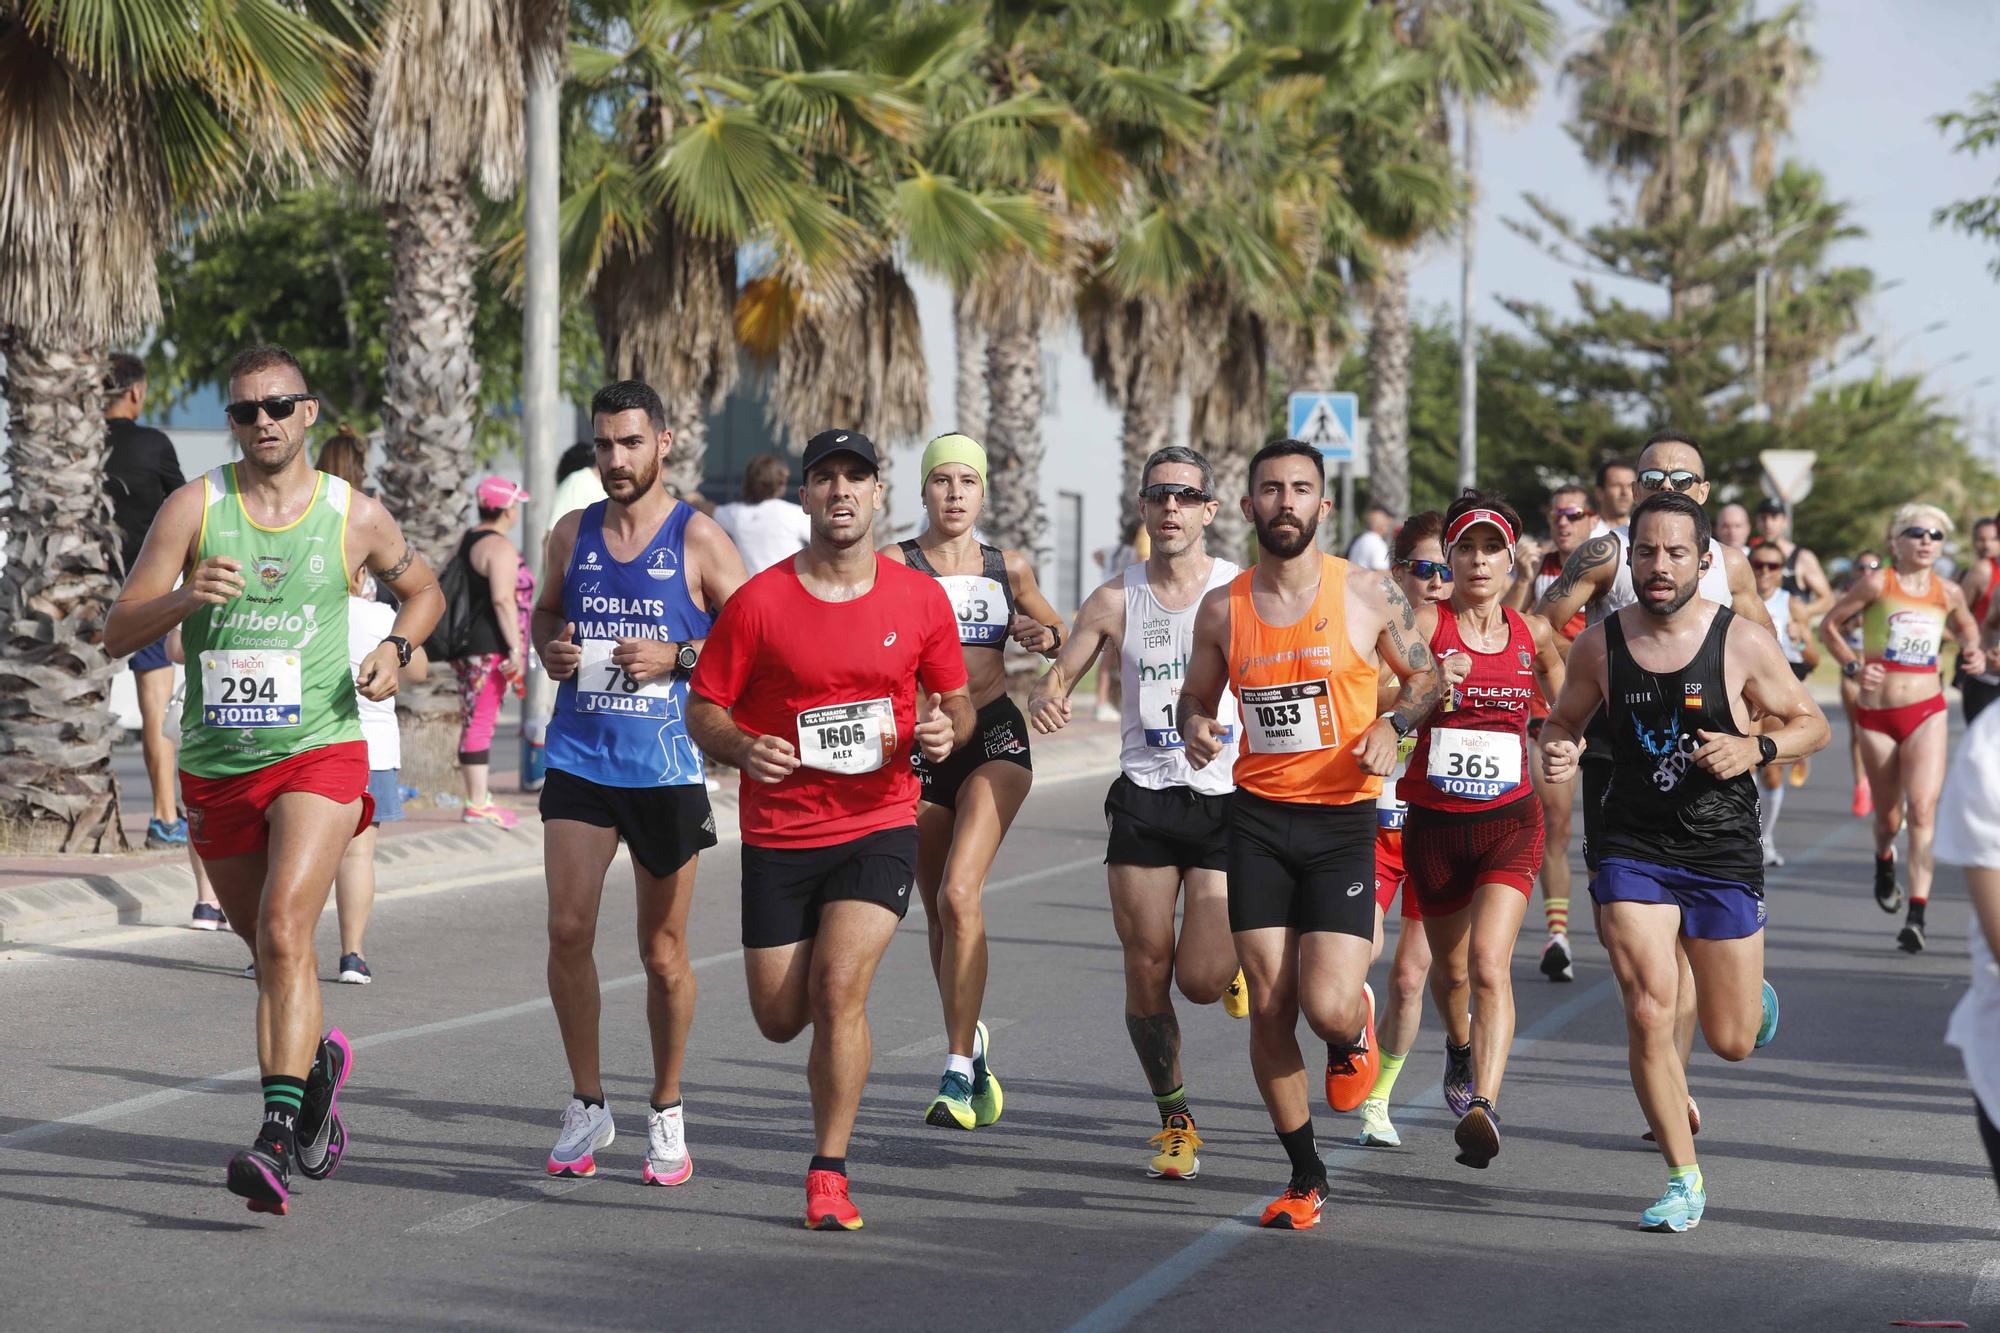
{"points": [[21, 1138], [461, 1220], [1986, 1291], [935, 1045]]}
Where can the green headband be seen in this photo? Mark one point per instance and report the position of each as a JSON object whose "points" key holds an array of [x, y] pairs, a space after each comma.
{"points": [[955, 449]]}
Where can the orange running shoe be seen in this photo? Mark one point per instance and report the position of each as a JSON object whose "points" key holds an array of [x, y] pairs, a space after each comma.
{"points": [[1351, 1070], [1297, 1209], [827, 1208]]}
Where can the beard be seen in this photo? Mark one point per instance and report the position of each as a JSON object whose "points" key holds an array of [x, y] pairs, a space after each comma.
{"points": [[641, 478], [1281, 538], [1683, 594]]}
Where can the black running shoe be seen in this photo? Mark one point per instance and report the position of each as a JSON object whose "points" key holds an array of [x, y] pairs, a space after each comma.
{"points": [[1910, 939], [322, 1136], [1478, 1134], [261, 1175], [1457, 1077], [1888, 893]]}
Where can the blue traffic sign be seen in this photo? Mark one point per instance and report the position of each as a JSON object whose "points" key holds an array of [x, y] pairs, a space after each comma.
{"points": [[1326, 421]]}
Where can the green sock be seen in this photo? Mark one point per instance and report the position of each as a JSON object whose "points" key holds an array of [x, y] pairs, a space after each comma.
{"points": [[1172, 1104], [282, 1097], [1385, 1082], [1690, 1173]]}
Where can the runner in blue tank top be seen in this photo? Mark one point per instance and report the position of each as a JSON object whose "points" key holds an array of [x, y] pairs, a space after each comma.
{"points": [[642, 576]]}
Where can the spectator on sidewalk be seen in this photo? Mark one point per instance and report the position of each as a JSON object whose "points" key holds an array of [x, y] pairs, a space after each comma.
{"points": [[1370, 549], [494, 652], [368, 623], [141, 470], [577, 483], [765, 526]]}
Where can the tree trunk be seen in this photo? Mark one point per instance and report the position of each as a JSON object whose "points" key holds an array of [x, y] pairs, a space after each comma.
{"points": [[687, 461], [431, 394], [1014, 514], [57, 789], [1468, 347], [1389, 384], [969, 345], [1147, 424]]}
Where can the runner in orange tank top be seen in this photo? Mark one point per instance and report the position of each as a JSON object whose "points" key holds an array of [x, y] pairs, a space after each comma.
{"points": [[1301, 639]]}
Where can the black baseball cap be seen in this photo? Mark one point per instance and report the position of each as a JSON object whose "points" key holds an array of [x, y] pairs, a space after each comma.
{"points": [[830, 442], [1771, 506]]}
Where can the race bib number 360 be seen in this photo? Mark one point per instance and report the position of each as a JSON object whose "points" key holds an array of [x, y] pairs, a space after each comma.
{"points": [[250, 687], [1475, 765], [1289, 719], [602, 686], [848, 738], [1914, 640]]}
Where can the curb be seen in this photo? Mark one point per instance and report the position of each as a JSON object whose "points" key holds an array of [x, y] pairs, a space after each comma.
{"points": [[54, 909]]}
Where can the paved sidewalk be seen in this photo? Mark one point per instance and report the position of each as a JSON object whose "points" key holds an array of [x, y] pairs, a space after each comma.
{"points": [[44, 898]]}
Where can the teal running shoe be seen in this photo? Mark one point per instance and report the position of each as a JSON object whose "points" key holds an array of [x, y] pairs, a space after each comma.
{"points": [[952, 1107], [1679, 1209], [1768, 1029], [987, 1098]]}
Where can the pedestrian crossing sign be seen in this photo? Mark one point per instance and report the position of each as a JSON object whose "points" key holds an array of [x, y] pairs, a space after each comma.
{"points": [[1325, 421]]}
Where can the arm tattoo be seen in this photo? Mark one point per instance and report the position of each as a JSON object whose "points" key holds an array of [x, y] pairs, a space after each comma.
{"points": [[1593, 554], [401, 567], [1395, 598], [1157, 1039]]}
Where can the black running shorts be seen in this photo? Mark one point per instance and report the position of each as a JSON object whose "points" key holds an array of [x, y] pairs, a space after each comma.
{"points": [[785, 887], [999, 736], [1169, 826], [663, 826], [1310, 867]]}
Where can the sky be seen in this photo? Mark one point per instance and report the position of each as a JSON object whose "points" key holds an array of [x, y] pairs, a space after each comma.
{"points": [[1885, 70]]}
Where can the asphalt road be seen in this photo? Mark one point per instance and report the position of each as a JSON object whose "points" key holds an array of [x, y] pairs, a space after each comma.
{"points": [[1847, 1188]]}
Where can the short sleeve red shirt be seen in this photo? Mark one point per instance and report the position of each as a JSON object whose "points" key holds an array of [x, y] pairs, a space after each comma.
{"points": [[777, 652]]}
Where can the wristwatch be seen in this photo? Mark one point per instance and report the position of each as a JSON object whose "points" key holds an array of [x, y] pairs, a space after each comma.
{"points": [[1851, 669], [403, 649], [1055, 633], [1767, 750], [685, 659], [1401, 726]]}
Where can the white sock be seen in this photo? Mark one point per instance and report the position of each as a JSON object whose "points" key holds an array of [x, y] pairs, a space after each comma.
{"points": [[1774, 801], [959, 1064], [978, 1043]]}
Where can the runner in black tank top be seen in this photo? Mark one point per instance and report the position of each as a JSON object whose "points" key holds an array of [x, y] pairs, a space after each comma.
{"points": [[1681, 873]]}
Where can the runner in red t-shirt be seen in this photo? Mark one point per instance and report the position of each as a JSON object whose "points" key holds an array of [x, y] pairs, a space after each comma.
{"points": [[808, 685]]}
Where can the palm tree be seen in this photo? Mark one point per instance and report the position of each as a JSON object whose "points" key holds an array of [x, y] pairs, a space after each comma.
{"points": [[444, 126], [119, 122]]}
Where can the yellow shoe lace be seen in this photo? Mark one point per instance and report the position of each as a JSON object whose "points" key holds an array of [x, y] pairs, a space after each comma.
{"points": [[1177, 1141]]}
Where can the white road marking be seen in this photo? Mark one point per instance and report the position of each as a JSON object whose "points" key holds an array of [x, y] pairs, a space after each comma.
{"points": [[1986, 1291], [461, 1220], [934, 1045]]}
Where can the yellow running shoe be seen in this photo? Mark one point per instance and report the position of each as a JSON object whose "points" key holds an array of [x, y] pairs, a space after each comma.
{"points": [[1178, 1144], [952, 1107], [1236, 1000], [987, 1098]]}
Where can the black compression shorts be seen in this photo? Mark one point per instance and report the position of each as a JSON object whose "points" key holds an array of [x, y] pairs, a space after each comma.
{"points": [[1310, 867]]}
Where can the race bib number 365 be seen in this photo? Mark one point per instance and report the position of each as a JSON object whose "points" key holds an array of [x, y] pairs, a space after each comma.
{"points": [[1474, 765], [848, 738], [1288, 719], [250, 687]]}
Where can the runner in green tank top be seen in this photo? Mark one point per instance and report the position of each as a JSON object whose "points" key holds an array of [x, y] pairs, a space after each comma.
{"points": [[252, 562]]}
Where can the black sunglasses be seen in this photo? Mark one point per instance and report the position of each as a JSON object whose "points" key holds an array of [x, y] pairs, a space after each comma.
{"points": [[1654, 479], [1767, 564], [277, 407], [1425, 570], [1161, 492], [1923, 534]]}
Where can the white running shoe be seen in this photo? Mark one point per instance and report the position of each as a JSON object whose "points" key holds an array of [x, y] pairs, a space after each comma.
{"points": [[585, 1129], [667, 1159], [1376, 1131]]}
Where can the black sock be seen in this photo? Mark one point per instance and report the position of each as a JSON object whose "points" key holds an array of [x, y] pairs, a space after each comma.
{"points": [[665, 1106], [597, 1101], [283, 1096], [1173, 1104], [1917, 911], [837, 1165], [1458, 1052], [1305, 1156]]}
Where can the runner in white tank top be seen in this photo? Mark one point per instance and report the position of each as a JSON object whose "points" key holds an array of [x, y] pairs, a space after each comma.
{"points": [[1168, 824]]}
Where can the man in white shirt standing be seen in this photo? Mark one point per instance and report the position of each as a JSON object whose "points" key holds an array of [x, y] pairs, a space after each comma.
{"points": [[1370, 550], [765, 526]]}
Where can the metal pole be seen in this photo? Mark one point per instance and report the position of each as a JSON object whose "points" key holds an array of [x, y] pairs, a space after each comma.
{"points": [[542, 193], [1468, 356], [1346, 506]]}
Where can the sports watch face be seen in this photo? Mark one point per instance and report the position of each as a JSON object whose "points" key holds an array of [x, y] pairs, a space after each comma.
{"points": [[687, 657]]}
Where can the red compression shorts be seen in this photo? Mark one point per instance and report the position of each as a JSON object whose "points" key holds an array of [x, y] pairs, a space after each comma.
{"points": [[1451, 854], [1898, 723], [226, 815], [1390, 875]]}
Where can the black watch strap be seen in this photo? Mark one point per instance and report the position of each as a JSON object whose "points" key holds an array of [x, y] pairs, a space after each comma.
{"points": [[1767, 750], [685, 657], [403, 649]]}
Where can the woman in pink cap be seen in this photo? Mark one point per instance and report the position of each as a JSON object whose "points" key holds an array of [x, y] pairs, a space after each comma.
{"points": [[495, 649]]}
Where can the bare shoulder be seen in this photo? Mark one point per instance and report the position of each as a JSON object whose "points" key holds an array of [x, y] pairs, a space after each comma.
{"points": [[1954, 595], [1213, 613], [1539, 629], [1106, 604], [893, 551], [704, 533], [1751, 641], [1372, 587]]}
